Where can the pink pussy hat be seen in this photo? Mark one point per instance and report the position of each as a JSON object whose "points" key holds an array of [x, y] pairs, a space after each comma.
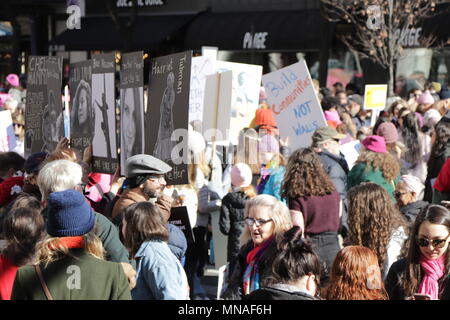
{"points": [[375, 144], [13, 79]]}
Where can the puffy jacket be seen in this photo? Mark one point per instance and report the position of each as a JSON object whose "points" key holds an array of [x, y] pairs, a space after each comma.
{"points": [[231, 221], [411, 210], [177, 241], [273, 184]]}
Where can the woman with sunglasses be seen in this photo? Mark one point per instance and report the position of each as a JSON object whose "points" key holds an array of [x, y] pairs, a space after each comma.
{"points": [[266, 220], [294, 272], [426, 269]]}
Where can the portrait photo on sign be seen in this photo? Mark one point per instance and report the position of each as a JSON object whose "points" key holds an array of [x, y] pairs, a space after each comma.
{"points": [[131, 122], [82, 114], [52, 123], [164, 145], [104, 142]]}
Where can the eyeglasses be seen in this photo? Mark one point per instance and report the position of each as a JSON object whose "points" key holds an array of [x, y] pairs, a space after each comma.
{"points": [[398, 194], [259, 222], [436, 243]]}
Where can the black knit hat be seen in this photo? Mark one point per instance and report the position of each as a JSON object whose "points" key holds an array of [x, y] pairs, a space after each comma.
{"points": [[69, 214]]}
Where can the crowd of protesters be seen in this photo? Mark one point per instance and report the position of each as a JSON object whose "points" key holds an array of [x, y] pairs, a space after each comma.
{"points": [[303, 224]]}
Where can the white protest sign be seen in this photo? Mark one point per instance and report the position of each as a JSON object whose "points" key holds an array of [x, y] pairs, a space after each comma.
{"points": [[245, 95], [351, 151], [7, 136], [217, 102], [200, 68], [295, 105]]}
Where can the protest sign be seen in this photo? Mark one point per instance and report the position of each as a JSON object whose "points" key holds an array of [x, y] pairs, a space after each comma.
{"points": [[82, 115], [131, 106], [179, 217], [104, 146], [375, 96], [36, 101], [294, 103], [351, 151], [167, 114], [245, 95], [201, 67], [217, 107], [7, 136]]}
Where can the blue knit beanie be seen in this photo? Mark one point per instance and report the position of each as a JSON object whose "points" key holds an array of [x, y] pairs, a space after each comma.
{"points": [[445, 93], [69, 214]]}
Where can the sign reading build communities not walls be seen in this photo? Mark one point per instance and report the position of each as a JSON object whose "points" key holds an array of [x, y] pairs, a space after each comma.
{"points": [[294, 103], [168, 113]]}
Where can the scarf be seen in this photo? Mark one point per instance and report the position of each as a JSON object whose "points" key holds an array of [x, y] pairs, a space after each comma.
{"points": [[68, 242], [251, 279], [434, 270], [265, 172]]}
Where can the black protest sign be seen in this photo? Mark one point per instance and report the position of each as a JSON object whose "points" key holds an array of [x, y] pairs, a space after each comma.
{"points": [[167, 114], [179, 216], [104, 143], [37, 102], [82, 115], [131, 106]]}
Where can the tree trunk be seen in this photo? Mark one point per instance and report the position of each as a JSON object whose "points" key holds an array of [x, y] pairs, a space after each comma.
{"points": [[391, 80]]}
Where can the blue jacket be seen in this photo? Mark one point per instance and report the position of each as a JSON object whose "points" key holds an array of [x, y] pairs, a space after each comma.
{"points": [[273, 184], [159, 274], [177, 241]]}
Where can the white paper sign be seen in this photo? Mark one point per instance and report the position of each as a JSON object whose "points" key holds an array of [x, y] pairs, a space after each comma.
{"points": [[200, 68], [351, 151], [217, 102], [245, 94], [7, 136], [294, 103]]}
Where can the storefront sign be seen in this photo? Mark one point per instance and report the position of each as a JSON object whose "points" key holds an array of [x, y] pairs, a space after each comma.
{"points": [[409, 37], [255, 41], [140, 3]]}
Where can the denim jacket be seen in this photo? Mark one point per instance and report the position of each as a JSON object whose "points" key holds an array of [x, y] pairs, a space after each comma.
{"points": [[160, 275]]}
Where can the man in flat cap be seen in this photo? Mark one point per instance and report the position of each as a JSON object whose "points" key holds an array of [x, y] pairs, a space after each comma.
{"points": [[144, 181]]}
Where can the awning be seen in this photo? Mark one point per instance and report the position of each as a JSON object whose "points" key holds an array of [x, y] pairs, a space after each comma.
{"points": [[262, 31], [100, 33]]}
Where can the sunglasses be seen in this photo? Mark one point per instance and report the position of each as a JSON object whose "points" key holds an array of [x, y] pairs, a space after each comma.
{"points": [[259, 222], [436, 243]]}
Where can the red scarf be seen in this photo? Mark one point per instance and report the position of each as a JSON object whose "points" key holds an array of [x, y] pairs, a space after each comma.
{"points": [[68, 242]]}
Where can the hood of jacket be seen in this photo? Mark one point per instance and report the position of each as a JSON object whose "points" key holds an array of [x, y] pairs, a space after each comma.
{"points": [[411, 210]]}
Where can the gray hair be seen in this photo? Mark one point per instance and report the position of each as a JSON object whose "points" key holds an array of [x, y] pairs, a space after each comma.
{"points": [[279, 212], [59, 175]]}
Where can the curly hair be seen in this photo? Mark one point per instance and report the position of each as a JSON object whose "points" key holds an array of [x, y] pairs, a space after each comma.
{"points": [[385, 162], [412, 275], [355, 275], [305, 176], [373, 218], [442, 134]]}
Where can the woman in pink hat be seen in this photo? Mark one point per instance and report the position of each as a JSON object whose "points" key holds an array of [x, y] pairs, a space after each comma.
{"points": [[376, 165]]}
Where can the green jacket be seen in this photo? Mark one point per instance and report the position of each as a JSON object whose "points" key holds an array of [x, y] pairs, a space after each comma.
{"points": [[359, 174], [77, 276]]}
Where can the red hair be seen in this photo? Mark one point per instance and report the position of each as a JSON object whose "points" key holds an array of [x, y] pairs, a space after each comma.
{"points": [[356, 275]]}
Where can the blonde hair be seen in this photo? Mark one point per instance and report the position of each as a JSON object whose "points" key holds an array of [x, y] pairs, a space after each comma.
{"points": [[278, 212], [48, 250]]}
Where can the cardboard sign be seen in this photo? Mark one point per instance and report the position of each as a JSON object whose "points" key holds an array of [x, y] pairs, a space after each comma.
{"points": [[294, 103], [200, 68], [245, 94], [167, 114], [82, 115], [375, 96], [7, 136], [37, 100], [132, 140], [104, 146], [179, 217], [217, 102]]}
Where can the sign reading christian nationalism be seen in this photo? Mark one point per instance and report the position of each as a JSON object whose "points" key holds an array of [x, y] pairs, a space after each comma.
{"points": [[168, 112], [82, 115], [104, 145], [131, 106]]}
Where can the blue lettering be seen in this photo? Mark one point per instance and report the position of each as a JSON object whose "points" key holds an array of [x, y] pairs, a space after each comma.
{"points": [[302, 109], [305, 128], [285, 81]]}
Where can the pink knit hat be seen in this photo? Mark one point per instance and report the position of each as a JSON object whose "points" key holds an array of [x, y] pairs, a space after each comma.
{"points": [[333, 116], [425, 98], [241, 175], [375, 144], [13, 79], [388, 131]]}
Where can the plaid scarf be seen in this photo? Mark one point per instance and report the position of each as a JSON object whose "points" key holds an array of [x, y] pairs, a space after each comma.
{"points": [[251, 280]]}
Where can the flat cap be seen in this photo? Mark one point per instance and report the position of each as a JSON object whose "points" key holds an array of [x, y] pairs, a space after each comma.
{"points": [[143, 164]]}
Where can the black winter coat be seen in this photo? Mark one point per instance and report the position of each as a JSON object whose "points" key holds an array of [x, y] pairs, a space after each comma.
{"points": [[278, 293], [396, 292], [231, 221]]}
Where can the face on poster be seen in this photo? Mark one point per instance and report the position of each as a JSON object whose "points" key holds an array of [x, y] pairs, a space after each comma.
{"points": [[101, 141], [132, 122], [245, 94]]}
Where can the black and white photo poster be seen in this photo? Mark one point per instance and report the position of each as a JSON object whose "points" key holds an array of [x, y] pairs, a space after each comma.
{"points": [[104, 146], [168, 111], [36, 101], [82, 115], [131, 106]]}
